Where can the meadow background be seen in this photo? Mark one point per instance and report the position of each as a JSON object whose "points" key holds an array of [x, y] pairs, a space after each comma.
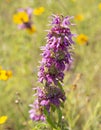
{"points": [[20, 53]]}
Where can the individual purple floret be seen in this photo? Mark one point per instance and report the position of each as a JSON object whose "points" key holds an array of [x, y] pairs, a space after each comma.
{"points": [[56, 57], [36, 111]]}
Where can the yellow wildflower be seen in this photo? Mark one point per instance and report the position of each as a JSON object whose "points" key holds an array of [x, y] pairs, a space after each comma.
{"points": [[79, 17], [31, 30], [20, 17], [38, 11], [3, 119], [9, 73], [3, 75], [99, 6], [82, 39]]}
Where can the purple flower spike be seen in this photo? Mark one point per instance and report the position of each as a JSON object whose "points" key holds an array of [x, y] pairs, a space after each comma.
{"points": [[56, 58], [56, 55]]}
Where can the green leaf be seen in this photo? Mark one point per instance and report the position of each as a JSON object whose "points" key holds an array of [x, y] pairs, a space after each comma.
{"points": [[48, 118], [53, 107], [60, 86], [62, 104], [59, 115]]}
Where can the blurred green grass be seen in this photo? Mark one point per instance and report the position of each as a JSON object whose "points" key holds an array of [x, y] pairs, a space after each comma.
{"points": [[20, 52]]}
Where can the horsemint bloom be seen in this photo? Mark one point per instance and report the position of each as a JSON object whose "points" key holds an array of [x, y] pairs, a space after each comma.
{"points": [[24, 20], [55, 57]]}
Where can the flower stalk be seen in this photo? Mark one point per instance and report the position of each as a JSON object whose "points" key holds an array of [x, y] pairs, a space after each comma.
{"points": [[56, 57]]}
